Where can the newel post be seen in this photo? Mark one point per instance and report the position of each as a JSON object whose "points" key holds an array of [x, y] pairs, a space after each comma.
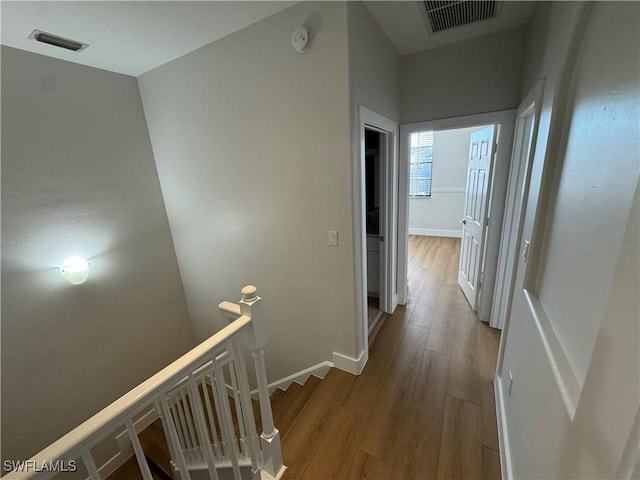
{"points": [[251, 306]]}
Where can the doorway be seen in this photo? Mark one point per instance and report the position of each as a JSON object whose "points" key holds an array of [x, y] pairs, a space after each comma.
{"points": [[379, 209], [374, 190], [477, 215]]}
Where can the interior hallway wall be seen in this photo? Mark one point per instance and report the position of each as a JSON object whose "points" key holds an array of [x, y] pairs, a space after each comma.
{"points": [[374, 83], [576, 390], [251, 142], [473, 76], [78, 178]]}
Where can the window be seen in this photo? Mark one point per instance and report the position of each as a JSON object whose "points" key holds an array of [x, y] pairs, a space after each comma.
{"points": [[420, 164]]}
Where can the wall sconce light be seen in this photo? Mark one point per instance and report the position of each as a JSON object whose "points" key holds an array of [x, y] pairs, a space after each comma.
{"points": [[75, 270]]}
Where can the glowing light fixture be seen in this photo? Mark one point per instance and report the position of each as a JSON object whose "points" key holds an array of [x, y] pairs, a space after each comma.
{"points": [[75, 270]]}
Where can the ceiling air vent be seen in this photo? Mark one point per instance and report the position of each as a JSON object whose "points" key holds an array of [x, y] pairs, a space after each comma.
{"points": [[444, 15], [57, 41]]}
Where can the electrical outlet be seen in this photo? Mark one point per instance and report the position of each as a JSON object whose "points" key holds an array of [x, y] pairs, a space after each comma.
{"points": [[333, 238], [510, 383]]}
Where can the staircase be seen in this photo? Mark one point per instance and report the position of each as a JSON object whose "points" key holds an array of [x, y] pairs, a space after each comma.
{"points": [[206, 416], [287, 406]]}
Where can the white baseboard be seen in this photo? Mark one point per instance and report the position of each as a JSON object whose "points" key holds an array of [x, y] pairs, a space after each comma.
{"points": [[503, 434], [319, 370], [432, 232], [349, 364]]}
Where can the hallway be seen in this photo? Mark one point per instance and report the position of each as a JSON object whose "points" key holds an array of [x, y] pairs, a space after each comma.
{"points": [[422, 409], [424, 406]]}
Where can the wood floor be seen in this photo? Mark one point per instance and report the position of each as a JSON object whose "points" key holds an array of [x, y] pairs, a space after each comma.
{"points": [[423, 407]]}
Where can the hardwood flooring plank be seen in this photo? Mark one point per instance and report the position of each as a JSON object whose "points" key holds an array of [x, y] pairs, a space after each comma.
{"points": [[422, 424], [363, 466], [415, 284], [491, 464], [440, 337], [488, 342], [488, 410], [441, 254], [461, 445], [463, 371], [301, 441], [453, 264], [293, 404], [337, 447], [422, 315], [363, 394], [384, 437]]}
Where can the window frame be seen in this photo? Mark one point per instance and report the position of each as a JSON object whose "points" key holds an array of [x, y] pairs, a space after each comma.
{"points": [[415, 179]]}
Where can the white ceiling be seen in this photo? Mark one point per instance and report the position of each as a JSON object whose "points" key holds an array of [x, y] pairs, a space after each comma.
{"points": [[128, 37], [405, 26], [133, 37]]}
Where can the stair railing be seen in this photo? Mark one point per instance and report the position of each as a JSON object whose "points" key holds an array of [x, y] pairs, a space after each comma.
{"points": [[270, 437], [203, 428]]}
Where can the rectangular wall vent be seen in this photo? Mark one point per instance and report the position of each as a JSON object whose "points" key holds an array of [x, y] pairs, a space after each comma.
{"points": [[446, 14], [57, 41]]}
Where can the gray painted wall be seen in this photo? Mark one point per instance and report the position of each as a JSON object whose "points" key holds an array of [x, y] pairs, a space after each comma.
{"points": [[78, 178], [474, 76], [374, 82], [585, 276], [251, 141]]}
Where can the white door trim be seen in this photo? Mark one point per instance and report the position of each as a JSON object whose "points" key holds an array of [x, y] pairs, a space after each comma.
{"points": [[521, 161], [369, 118], [505, 119]]}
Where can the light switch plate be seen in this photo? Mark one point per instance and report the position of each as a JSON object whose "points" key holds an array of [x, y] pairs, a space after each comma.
{"points": [[333, 238]]}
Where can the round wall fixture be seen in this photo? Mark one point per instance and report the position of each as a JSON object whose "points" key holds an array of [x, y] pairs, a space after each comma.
{"points": [[300, 39]]}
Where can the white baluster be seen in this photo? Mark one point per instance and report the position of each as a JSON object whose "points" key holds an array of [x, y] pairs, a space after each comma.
{"points": [[218, 412], [171, 443], [236, 397], [249, 419], [226, 425], [181, 463], [192, 430], [251, 306], [212, 422], [137, 448], [198, 414], [178, 423], [185, 429], [94, 474]]}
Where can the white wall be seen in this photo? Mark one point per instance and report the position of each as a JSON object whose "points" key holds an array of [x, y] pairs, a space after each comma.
{"points": [[441, 213], [78, 178], [535, 46], [374, 65], [252, 146], [474, 76], [374, 81], [576, 387]]}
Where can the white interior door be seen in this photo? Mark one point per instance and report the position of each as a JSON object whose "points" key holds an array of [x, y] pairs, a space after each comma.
{"points": [[474, 223]]}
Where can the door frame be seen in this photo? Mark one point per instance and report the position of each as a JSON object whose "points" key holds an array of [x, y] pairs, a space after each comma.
{"points": [[521, 163], [389, 222], [505, 121]]}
